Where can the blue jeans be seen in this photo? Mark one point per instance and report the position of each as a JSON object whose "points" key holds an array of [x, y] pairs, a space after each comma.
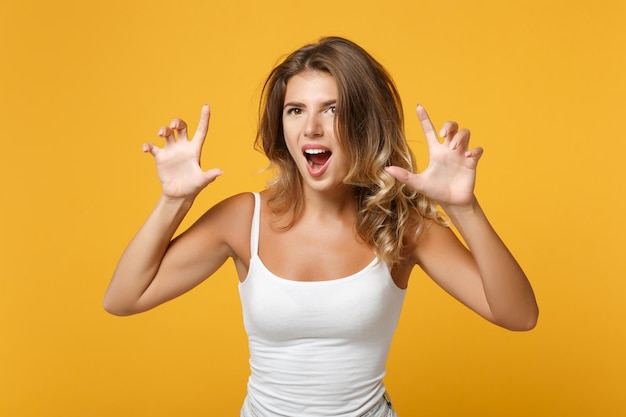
{"points": [[382, 408]]}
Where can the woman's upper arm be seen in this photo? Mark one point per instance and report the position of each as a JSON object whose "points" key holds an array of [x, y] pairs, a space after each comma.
{"points": [[450, 264], [221, 233]]}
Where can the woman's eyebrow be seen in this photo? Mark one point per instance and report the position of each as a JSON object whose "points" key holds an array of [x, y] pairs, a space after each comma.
{"points": [[294, 104], [298, 104]]}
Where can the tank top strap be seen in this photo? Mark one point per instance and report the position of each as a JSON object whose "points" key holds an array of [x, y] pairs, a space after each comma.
{"points": [[256, 221]]}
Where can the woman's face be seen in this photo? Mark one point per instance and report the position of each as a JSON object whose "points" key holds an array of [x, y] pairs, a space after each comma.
{"points": [[309, 129]]}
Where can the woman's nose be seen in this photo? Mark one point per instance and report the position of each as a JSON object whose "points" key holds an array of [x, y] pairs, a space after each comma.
{"points": [[313, 126]]}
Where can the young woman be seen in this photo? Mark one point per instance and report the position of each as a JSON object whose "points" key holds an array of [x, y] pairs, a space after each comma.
{"points": [[325, 253]]}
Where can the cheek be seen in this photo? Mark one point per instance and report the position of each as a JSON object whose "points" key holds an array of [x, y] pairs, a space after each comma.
{"points": [[329, 125], [290, 142], [290, 129], [343, 158]]}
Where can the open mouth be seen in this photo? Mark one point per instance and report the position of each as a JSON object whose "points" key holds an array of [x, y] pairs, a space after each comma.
{"points": [[317, 157]]}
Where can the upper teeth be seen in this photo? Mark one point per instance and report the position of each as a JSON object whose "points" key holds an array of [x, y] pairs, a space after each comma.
{"points": [[314, 151]]}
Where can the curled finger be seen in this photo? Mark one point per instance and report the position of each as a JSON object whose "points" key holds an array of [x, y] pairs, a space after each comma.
{"points": [[150, 148], [180, 127], [475, 153], [448, 130], [460, 140], [167, 134]]}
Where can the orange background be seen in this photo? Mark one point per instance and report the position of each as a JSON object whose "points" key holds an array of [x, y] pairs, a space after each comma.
{"points": [[83, 84]]}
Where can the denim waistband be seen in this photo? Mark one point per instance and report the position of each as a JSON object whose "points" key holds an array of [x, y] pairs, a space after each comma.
{"points": [[382, 408]]}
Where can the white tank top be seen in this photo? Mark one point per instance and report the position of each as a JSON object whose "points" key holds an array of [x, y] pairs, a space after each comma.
{"points": [[317, 348]]}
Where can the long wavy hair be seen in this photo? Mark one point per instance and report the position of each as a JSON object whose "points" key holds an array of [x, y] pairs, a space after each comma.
{"points": [[370, 126]]}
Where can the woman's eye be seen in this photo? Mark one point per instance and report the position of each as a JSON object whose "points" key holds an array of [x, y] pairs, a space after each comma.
{"points": [[331, 110], [294, 111]]}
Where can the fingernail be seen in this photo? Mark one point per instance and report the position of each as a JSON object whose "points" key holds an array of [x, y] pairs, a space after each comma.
{"points": [[443, 132]]}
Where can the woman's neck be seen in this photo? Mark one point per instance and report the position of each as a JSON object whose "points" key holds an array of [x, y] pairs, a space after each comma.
{"points": [[339, 203]]}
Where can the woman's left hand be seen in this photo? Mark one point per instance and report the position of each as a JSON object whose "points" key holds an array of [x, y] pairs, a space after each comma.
{"points": [[451, 173]]}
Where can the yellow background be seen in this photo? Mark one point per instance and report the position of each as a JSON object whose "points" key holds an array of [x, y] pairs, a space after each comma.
{"points": [[83, 84]]}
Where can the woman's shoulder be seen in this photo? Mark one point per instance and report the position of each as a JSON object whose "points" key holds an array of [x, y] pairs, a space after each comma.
{"points": [[229, 221], [237, 210], [421, 233], [236, 207], [239, 199]]}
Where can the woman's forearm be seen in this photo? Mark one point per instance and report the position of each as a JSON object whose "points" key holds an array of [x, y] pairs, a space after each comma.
{"points": [[142, 258], [507, 290]]}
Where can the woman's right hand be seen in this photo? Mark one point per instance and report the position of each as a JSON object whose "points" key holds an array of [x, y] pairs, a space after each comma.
{"points": [[178, 162]]}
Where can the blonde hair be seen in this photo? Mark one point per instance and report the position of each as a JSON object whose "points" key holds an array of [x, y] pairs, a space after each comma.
{"points": [[370, 126]]}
